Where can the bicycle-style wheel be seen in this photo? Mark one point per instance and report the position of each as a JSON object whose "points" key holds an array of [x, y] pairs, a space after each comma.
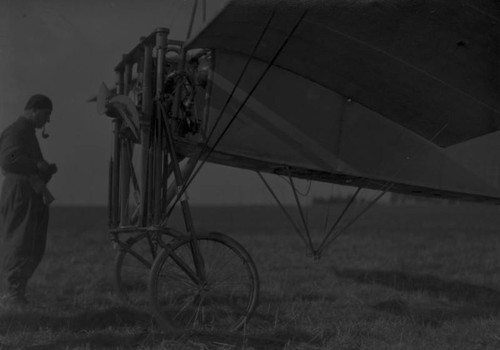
{"points": [[225, 299], [132, 265]]}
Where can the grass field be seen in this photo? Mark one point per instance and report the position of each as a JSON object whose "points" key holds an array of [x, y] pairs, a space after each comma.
{"points": [[407, 277]]}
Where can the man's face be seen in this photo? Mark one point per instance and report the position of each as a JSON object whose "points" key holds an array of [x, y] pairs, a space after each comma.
{"points": [[41, 117]]}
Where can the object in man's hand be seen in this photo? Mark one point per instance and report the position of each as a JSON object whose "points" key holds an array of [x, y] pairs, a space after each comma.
{"points": [[46, 170], [52, 169], [39, 187], [43, 166]]}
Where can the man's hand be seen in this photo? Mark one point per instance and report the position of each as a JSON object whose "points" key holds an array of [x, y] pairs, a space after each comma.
{"points": [[43, 166], [47, 168], [52, 168]]}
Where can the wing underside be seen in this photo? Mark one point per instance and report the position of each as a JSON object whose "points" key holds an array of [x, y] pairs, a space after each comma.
{"points": [[360, 92], [426, 65]]}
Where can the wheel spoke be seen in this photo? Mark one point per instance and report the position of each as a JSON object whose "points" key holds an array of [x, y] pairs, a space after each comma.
{"points": [[226, 299], [132, 267]]}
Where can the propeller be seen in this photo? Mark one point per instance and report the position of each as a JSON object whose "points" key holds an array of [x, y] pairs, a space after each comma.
{"points": [[94, 97], [127, 110], [102, 98], [118, 106]]}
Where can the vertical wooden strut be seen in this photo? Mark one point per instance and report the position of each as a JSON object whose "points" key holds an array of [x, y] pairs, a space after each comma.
{"points": [[179, 180], [115, 202], [124, 183], [147, 111], [127, 81], [161, 46], [125, 157], [186, 211], [110, 193], [185, 173]]}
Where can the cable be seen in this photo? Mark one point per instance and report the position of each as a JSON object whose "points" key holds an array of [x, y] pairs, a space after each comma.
{"points": [[189, 181], [242, 105]]}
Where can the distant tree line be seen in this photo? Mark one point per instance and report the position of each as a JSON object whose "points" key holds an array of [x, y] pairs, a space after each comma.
{"points": [[390, 199]]}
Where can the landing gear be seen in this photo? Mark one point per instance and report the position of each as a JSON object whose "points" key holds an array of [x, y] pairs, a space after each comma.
{"points": [[223, 299], [201, 281], [133, 262]]}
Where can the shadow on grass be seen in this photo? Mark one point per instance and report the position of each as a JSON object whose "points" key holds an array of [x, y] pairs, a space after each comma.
{"points": [[237, 340], [481, 301], [431, 314], [453, 290], [107, 339], [95, 341], [299, 296], [30, 320], [104, 329]]}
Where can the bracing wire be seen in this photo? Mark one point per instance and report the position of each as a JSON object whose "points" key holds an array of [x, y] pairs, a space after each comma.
{"points": [[329, 239], [269, 65], [296, 228], [238, 81], [301, 212], [204, 10], [327, 216], [386, 187], [304, 193], [188, 181], [174, 14], [327, 242], [191, 22]]}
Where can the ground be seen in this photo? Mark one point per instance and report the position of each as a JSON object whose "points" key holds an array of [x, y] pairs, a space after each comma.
{"points": [[402, 277]]}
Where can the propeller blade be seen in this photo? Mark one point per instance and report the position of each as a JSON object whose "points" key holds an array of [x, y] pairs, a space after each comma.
{"points": [[127, 110], [102, 98]]}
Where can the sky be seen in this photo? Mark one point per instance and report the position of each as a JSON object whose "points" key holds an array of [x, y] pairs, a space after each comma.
{"points": [[65, 49]]}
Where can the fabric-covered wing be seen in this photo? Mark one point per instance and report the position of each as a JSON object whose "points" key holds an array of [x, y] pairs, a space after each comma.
{"points": [[431, 66]]}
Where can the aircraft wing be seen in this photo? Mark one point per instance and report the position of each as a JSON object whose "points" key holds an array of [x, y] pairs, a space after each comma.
{"points": [[431, 66]]}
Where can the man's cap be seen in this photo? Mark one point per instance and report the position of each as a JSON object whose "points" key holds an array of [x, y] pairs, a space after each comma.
{"points": [[38, 101]]}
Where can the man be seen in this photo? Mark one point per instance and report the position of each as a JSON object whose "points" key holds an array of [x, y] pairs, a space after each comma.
{"points": [[24, 198]]}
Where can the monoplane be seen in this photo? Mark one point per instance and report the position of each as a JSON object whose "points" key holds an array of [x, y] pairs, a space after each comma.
{"points": [[398, 96]]}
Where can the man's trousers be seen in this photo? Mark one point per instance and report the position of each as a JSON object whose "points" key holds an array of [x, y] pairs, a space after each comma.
{"points": [[23, 231]]}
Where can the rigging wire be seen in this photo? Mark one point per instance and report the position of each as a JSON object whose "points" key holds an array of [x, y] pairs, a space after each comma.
{"points": [[247, 63], [327, 216], [292, 221], [204, 18], [191, 22], [301, 212], [189, 180], [303, 194], [238, 81], [384, 189], [327, 243], [339, 218], [174, 14], [269, 65], [328, 239]]}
